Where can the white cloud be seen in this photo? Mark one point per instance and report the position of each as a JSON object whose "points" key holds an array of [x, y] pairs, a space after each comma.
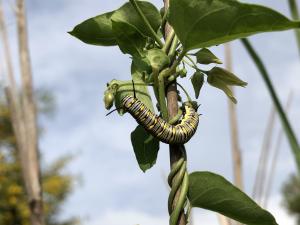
{"points": [[113, 217]]}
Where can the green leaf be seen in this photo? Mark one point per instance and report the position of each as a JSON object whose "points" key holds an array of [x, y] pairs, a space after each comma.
{"points": [[128, 14], [145, 148], [197, 81], [96, 30], [213, 192], [142, 64], [126, 88], [205, 56], [221, 78], [217, 83], [227, 77], [130, 41], [204, 23], [158, 59]]}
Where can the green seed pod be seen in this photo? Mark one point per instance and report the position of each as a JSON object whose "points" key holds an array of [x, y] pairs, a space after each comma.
{"points": [[109, 98], [183, 73], [171, 78]]}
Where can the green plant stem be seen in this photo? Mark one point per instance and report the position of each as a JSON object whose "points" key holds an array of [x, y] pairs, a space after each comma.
{"points": [[295, 15], [176, 118], [294, 9], [176, 63], [177, 181], [161, 85], [191, 60], [173, 47], [162, 96], [136, 84], [182, 198], [190, 65], [185, 92], [145, 20], [284, 120], [169, 41]]}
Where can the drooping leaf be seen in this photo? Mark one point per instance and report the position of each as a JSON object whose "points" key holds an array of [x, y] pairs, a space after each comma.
{"points": [[145, 148], [217, 83], [96, 30], [213, 192], [197, 82], [205, 56], [226, 76], [222, 79], [130, 40], [204, 23], [128, 14]]}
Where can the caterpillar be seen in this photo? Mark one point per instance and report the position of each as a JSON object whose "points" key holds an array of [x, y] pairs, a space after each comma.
{"points": [[159, 128]]}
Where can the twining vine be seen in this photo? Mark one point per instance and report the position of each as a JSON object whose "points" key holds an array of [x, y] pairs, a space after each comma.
{"points": [[138, 29]]}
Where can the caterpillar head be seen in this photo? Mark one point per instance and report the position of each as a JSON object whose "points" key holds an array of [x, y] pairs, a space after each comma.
{"points": [[191, 104]]}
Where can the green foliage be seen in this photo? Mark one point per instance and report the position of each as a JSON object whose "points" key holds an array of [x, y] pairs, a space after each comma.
{"points": [[136, 28], [101, 30], [221, 78], [213, 22], [197, 81], [129, 15], [205, 56], [57, 185], [145, 148], [213, 192], [129, 40], [291, 193], [96, 31], [157, 58]]}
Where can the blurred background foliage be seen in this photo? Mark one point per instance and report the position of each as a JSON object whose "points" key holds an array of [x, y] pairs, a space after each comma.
{"points": [[56, 182], [291, 193]]}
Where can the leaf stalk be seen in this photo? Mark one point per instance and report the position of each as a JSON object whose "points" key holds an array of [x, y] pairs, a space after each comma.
{"points": [[284, 120]]}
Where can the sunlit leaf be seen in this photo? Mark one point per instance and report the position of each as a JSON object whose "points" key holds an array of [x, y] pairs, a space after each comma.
{"points": [[213, 192], [205, 56], [128, 38], [127, 14], [96, 30], [204, 23]]}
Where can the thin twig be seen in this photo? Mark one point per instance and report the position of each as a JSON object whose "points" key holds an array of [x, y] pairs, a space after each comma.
{"points": [[265, 149], [295, 15], [270, 177]]}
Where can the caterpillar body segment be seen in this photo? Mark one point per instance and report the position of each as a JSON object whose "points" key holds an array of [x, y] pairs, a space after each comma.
{"points": [[159, 128]]}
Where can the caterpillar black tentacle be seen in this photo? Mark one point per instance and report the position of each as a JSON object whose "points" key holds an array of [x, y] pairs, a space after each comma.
{"points": [[159, 128]]}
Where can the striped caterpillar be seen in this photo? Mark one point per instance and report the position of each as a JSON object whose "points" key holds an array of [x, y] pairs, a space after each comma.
{"points": [[163, 131]]}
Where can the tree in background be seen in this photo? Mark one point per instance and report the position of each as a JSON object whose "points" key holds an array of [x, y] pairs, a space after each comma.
{"points": [[57, 185]]}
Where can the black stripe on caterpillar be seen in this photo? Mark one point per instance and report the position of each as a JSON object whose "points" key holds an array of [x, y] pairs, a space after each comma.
{"points": [[159, 128]]}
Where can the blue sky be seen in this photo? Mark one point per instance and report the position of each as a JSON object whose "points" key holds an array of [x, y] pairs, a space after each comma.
{"points": [[114, 190]]}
